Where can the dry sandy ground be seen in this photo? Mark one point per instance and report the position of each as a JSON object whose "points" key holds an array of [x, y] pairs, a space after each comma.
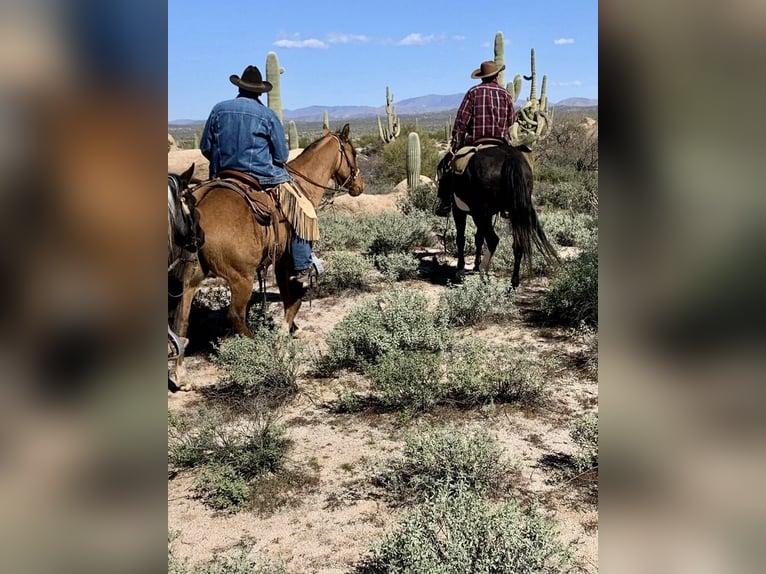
{"points": [[330, 525]]}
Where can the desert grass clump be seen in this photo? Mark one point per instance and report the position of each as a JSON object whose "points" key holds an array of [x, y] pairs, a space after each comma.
{"points": [[266, 365], [341, 232], [406, 380], [240, 562], [460, 531], [421, 199], [573, 295], [480, 373], [480, 298], [585, 435], [231, 454], [398, 319], [346, 271], [435, 460], [397, 266]]}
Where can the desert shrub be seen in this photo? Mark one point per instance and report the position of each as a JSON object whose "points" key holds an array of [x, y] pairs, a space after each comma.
{"points": [[345, 271], [461, 532], [422, 198], [435, 460], [478, 298], [578, 194], [342, 232], [573, 295], [255, 444], [397, 266], [399, 233], [568, 147], [393, 167], [220, 487], [268, 364], [406, 380], [399, 319], [569, 228], [479, 372], [213, 297], [585, 435]]}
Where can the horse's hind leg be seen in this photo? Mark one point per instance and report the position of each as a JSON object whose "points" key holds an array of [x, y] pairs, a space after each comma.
{"points": [[479, 244], [241, 285], [484, 226], [517, 255]]}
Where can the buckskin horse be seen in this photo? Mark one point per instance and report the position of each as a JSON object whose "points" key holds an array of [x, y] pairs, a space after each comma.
{"points": [[496, 179], [237, 246]]}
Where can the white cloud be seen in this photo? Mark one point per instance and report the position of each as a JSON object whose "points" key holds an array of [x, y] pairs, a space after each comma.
{"points": [[348, 38], [486, 45], [561, 41], [417, 39], [308, 43], [458, 38], [573, 83]]}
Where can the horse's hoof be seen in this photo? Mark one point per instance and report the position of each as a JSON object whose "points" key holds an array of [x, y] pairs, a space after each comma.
{"points": [[460, 276]]}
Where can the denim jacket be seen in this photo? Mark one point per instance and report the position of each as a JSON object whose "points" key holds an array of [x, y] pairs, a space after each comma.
{"points": [[245, 135]]}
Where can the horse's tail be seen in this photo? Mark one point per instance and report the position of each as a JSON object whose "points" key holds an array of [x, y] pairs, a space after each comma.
{"points": [[526, 227]]}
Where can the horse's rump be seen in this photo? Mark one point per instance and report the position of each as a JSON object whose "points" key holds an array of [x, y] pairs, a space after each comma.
{"points": [[261, 203]]}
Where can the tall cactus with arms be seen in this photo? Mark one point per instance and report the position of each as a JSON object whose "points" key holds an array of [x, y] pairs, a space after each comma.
{"points": [[274, 97], [500, 56], [533, 119], [393, 129]]}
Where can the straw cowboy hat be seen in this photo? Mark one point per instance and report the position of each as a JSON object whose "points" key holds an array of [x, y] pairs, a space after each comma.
{"points": [[251, 80], [487, 69]]}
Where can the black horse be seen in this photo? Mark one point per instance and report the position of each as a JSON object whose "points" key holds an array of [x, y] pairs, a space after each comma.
{"points": [[497, 179]]}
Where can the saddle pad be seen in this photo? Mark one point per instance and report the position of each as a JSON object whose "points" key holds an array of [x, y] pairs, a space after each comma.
{"points": [[464, 155]]}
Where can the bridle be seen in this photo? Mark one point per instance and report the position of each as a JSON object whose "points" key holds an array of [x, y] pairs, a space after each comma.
{"points": [[190, 241], [353, 170]]}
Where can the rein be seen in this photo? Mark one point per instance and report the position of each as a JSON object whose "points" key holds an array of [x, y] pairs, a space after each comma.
{"points": [[341, 186]]}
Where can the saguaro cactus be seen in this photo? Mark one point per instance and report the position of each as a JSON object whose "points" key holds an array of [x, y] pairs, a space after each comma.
{"points": [[393, 129], [413, 161], [514, 88], [326, 119], [533, 119], [274, 97], [500, 56], [292, 135]]}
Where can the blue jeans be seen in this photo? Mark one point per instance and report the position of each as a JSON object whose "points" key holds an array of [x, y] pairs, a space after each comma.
{"points": [[301, 253]]}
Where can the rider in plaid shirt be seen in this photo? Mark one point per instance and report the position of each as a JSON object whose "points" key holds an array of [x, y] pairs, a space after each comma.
{"points": [[485, 112]]}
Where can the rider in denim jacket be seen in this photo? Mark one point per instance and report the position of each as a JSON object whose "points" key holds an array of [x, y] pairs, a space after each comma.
{"points": [[247, 136]]}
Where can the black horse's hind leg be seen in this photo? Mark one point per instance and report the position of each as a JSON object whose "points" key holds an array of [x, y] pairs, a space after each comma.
{"points": [[460, 221], [478, 240], [484, 226]]}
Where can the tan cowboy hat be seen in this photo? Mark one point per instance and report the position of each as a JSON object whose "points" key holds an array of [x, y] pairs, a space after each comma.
{"points": [[251, 80], [487, 69]]}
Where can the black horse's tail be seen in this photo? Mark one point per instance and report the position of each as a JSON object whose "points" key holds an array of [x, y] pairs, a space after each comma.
{"points": [[527, 230]]}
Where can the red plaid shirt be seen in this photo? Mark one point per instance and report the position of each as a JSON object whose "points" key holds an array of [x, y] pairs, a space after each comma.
{"points": [[486, 111]]}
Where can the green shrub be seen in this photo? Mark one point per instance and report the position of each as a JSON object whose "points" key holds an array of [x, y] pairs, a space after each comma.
{"points": [[399, 233], [573, 295], [253, 445], [480, 372], [397, 266], [436, 460], [343, 232], [460, 532], [577, 193], [346, 271], [407, 380], [399, 319], [585, 436], [569, 229], [265, 365], [480, 298], [422, 198], [220, 487]]}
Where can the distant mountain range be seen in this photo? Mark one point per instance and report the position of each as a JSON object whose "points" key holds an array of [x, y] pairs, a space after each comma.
{"points": [[413, 106]]}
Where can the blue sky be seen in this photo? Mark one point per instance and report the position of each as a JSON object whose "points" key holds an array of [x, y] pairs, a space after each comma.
{"points": [[341, 52]]}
